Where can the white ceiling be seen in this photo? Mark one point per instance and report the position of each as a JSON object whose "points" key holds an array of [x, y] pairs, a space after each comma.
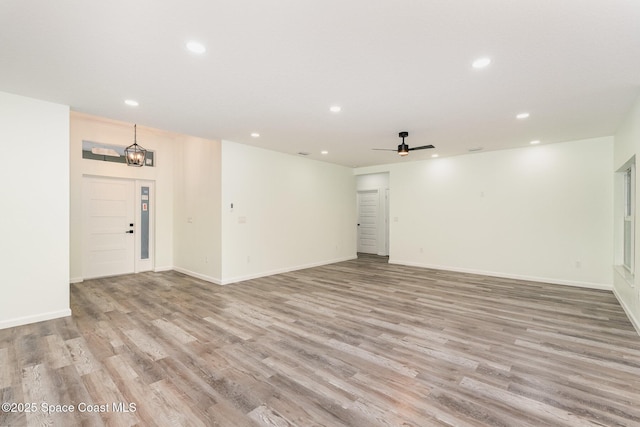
{"points": [[275, 67]]}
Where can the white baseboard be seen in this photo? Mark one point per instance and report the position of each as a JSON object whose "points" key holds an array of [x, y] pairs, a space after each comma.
{"points": [[601, 286], [236, 279], [196, 275], [634, 321], [156, 270], [19, 321]]}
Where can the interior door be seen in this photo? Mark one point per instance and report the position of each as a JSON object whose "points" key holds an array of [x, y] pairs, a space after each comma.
{"points": [[368, 222], [108, 227]]}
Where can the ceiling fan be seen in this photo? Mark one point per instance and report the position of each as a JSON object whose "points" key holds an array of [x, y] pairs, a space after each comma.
{"points": [[403, 149]]}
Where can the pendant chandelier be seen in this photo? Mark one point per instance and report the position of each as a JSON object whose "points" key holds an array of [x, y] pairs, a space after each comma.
{"points": [[135, 154]]}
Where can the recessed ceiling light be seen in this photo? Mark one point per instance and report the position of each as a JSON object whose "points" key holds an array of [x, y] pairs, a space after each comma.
{"points": [[434, 155], [196, 47], [522, 116], [131, 103], [325, 152], [481, 62], [535, 142], [255, 135], [335, 108]]}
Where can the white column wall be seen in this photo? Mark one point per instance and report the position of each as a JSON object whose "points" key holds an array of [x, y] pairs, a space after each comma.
{"points": [[288, 212], [197, 222], [35, 210]]}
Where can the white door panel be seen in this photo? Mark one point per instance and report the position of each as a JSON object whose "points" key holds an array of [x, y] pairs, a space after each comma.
{"points": [[368, 221], [109, 247]]}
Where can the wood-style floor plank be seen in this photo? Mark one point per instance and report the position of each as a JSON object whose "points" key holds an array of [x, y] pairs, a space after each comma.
{"points": [[357, 343]]}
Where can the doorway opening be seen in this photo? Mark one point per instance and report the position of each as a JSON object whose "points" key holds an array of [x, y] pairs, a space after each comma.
{"points": [[373, 214]]}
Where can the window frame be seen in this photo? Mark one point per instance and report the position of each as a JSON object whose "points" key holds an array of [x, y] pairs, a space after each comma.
{"points": [[628, 231]]}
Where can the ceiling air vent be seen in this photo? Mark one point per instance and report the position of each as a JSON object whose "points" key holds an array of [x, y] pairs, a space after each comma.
{"points": [[303, 153], [471, 150]]}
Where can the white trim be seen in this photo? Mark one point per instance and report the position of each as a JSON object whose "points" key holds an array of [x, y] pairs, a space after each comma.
{"points": [[20, 321], [625, 275], [196, 275], [155, 270], [218, 281], [629, 208], [284, 270], [590, 285], [635, 322], [387, 205]]}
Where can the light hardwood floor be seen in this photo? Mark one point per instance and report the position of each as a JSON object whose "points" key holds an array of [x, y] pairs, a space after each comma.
{"points": [[358, 343]]}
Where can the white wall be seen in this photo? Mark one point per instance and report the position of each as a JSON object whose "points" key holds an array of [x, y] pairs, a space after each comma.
{"points": [[288, 212], [627, 145], [35, 214], [197, 245], [97, 129], [541, 213], [372, 181]]}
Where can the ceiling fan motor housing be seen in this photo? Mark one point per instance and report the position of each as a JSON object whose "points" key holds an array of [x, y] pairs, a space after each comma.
{"points": [[403, 149]]}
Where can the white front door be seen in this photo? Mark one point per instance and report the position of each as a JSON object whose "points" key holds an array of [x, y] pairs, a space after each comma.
{"points": [[118, 226], [368, 221], [108, 222]]}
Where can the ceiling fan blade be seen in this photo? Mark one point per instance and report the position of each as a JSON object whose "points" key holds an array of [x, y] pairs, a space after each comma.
{"points": [[383, 149], [422, 147]]}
